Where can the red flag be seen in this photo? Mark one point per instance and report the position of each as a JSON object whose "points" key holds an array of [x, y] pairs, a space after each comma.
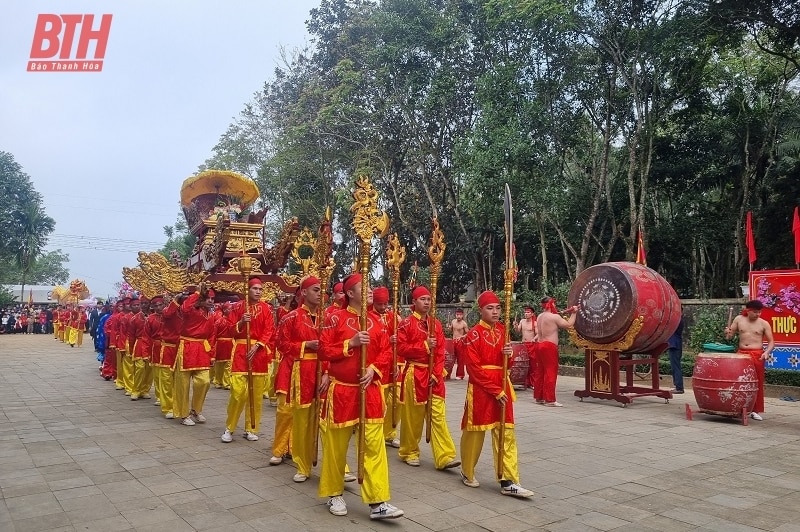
{"points": [[750, 241], [641, 255], [796, 232]]}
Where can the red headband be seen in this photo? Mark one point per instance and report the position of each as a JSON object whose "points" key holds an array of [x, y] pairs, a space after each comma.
{"points": [[420, 291], [550, 305], [351, 281], [211, 293], [255, 281], [380, 295], [487, 298], [338, 287], [308, 282]]}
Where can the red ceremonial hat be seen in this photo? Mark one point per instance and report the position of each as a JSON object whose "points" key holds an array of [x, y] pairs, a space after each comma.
{"points": [[420, 291], [157, 299], [143, 299], [255, 281], [351, 281], [338, 287], [211, 293], [380, 295], [126, 300], [308, 282], [487, 298]]}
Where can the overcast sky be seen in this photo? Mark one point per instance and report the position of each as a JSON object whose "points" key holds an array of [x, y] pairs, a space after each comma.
{"points": [[109, 150]]}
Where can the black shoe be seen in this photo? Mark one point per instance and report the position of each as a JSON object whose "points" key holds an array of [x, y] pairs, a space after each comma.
{"points": [[676, 391]]}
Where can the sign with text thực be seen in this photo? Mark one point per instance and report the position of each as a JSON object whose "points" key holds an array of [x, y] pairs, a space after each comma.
{"points": [[779, 291]]}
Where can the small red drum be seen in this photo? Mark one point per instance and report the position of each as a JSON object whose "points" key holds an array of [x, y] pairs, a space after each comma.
{"points": [[519, 364], [449, 356], [724, 383]]}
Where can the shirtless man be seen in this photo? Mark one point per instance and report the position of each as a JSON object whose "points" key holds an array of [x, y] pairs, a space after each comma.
{"points": [[527, 326], [548, 323], [459, 328], [752, 333]]}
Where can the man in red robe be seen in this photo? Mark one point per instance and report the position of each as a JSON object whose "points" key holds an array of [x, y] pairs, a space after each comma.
{"points": [[418, 337], [487, 389], [194, 356], [341, 345], [252, 318]]}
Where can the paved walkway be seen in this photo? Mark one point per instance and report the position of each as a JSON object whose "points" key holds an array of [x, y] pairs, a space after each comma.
{"points": [[77, 455]]}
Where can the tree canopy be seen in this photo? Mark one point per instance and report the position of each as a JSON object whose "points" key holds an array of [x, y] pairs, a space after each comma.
{"points": [[673, 117], [25, 226]]}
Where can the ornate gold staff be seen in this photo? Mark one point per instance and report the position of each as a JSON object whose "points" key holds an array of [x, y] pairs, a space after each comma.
{"points": [[325, 264], [245, 268], [367, 221], [508, 288], [436, 254], [396, 255]]}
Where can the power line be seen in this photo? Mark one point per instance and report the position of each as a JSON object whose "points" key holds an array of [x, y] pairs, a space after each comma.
{"points": [[117, 211], [106, 200], [105, 239]]}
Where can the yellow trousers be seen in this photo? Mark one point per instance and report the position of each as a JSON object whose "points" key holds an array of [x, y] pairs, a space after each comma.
{"points": [[282, 444], [128, 369], [73, 336], [269, 393], [164, 382], [200, 383], [62, 333], [221, 378], [303, 438], [472, 444], [413, 423], [143, 377], [80, 338], [56, 329], [335, 441], [240, 400], [389, 432], [118, 382]]}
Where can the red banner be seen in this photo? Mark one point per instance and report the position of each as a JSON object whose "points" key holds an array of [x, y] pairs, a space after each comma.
{"points": [[779, 291]]}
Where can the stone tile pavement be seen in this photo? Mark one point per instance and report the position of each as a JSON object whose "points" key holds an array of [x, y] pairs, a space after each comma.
{"points": [[77, 455]]}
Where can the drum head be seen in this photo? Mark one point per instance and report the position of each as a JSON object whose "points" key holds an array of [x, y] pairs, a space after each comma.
{"points": [[606, 297]]}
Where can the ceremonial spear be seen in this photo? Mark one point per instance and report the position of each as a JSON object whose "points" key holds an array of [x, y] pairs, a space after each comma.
{"points": [[325, 264], [436, 254], [508, 288], [367, 221], [396, 255]]}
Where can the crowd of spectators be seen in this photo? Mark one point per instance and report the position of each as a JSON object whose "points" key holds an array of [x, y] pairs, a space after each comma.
{"points": [[21, 319]]}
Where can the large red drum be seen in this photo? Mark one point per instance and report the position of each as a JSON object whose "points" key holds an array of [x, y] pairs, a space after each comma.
{"points": [[611, 296], [449, 357], [724, 383], [519, 364]]}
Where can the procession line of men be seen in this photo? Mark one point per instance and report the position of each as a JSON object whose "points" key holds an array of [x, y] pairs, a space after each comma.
{"points": [[69, 323], [176, 344]]}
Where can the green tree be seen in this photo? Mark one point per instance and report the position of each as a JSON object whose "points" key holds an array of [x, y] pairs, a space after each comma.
{"points": [[48, 269], [23, 221]]}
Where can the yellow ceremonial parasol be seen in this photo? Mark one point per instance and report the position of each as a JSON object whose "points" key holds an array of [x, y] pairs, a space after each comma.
{"points": [[221, 182]]}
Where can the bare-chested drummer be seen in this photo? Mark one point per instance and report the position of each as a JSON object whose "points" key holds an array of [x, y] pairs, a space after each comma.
{"points": [[753, 332], [459, 328], [527, 328], [548, 323]]}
